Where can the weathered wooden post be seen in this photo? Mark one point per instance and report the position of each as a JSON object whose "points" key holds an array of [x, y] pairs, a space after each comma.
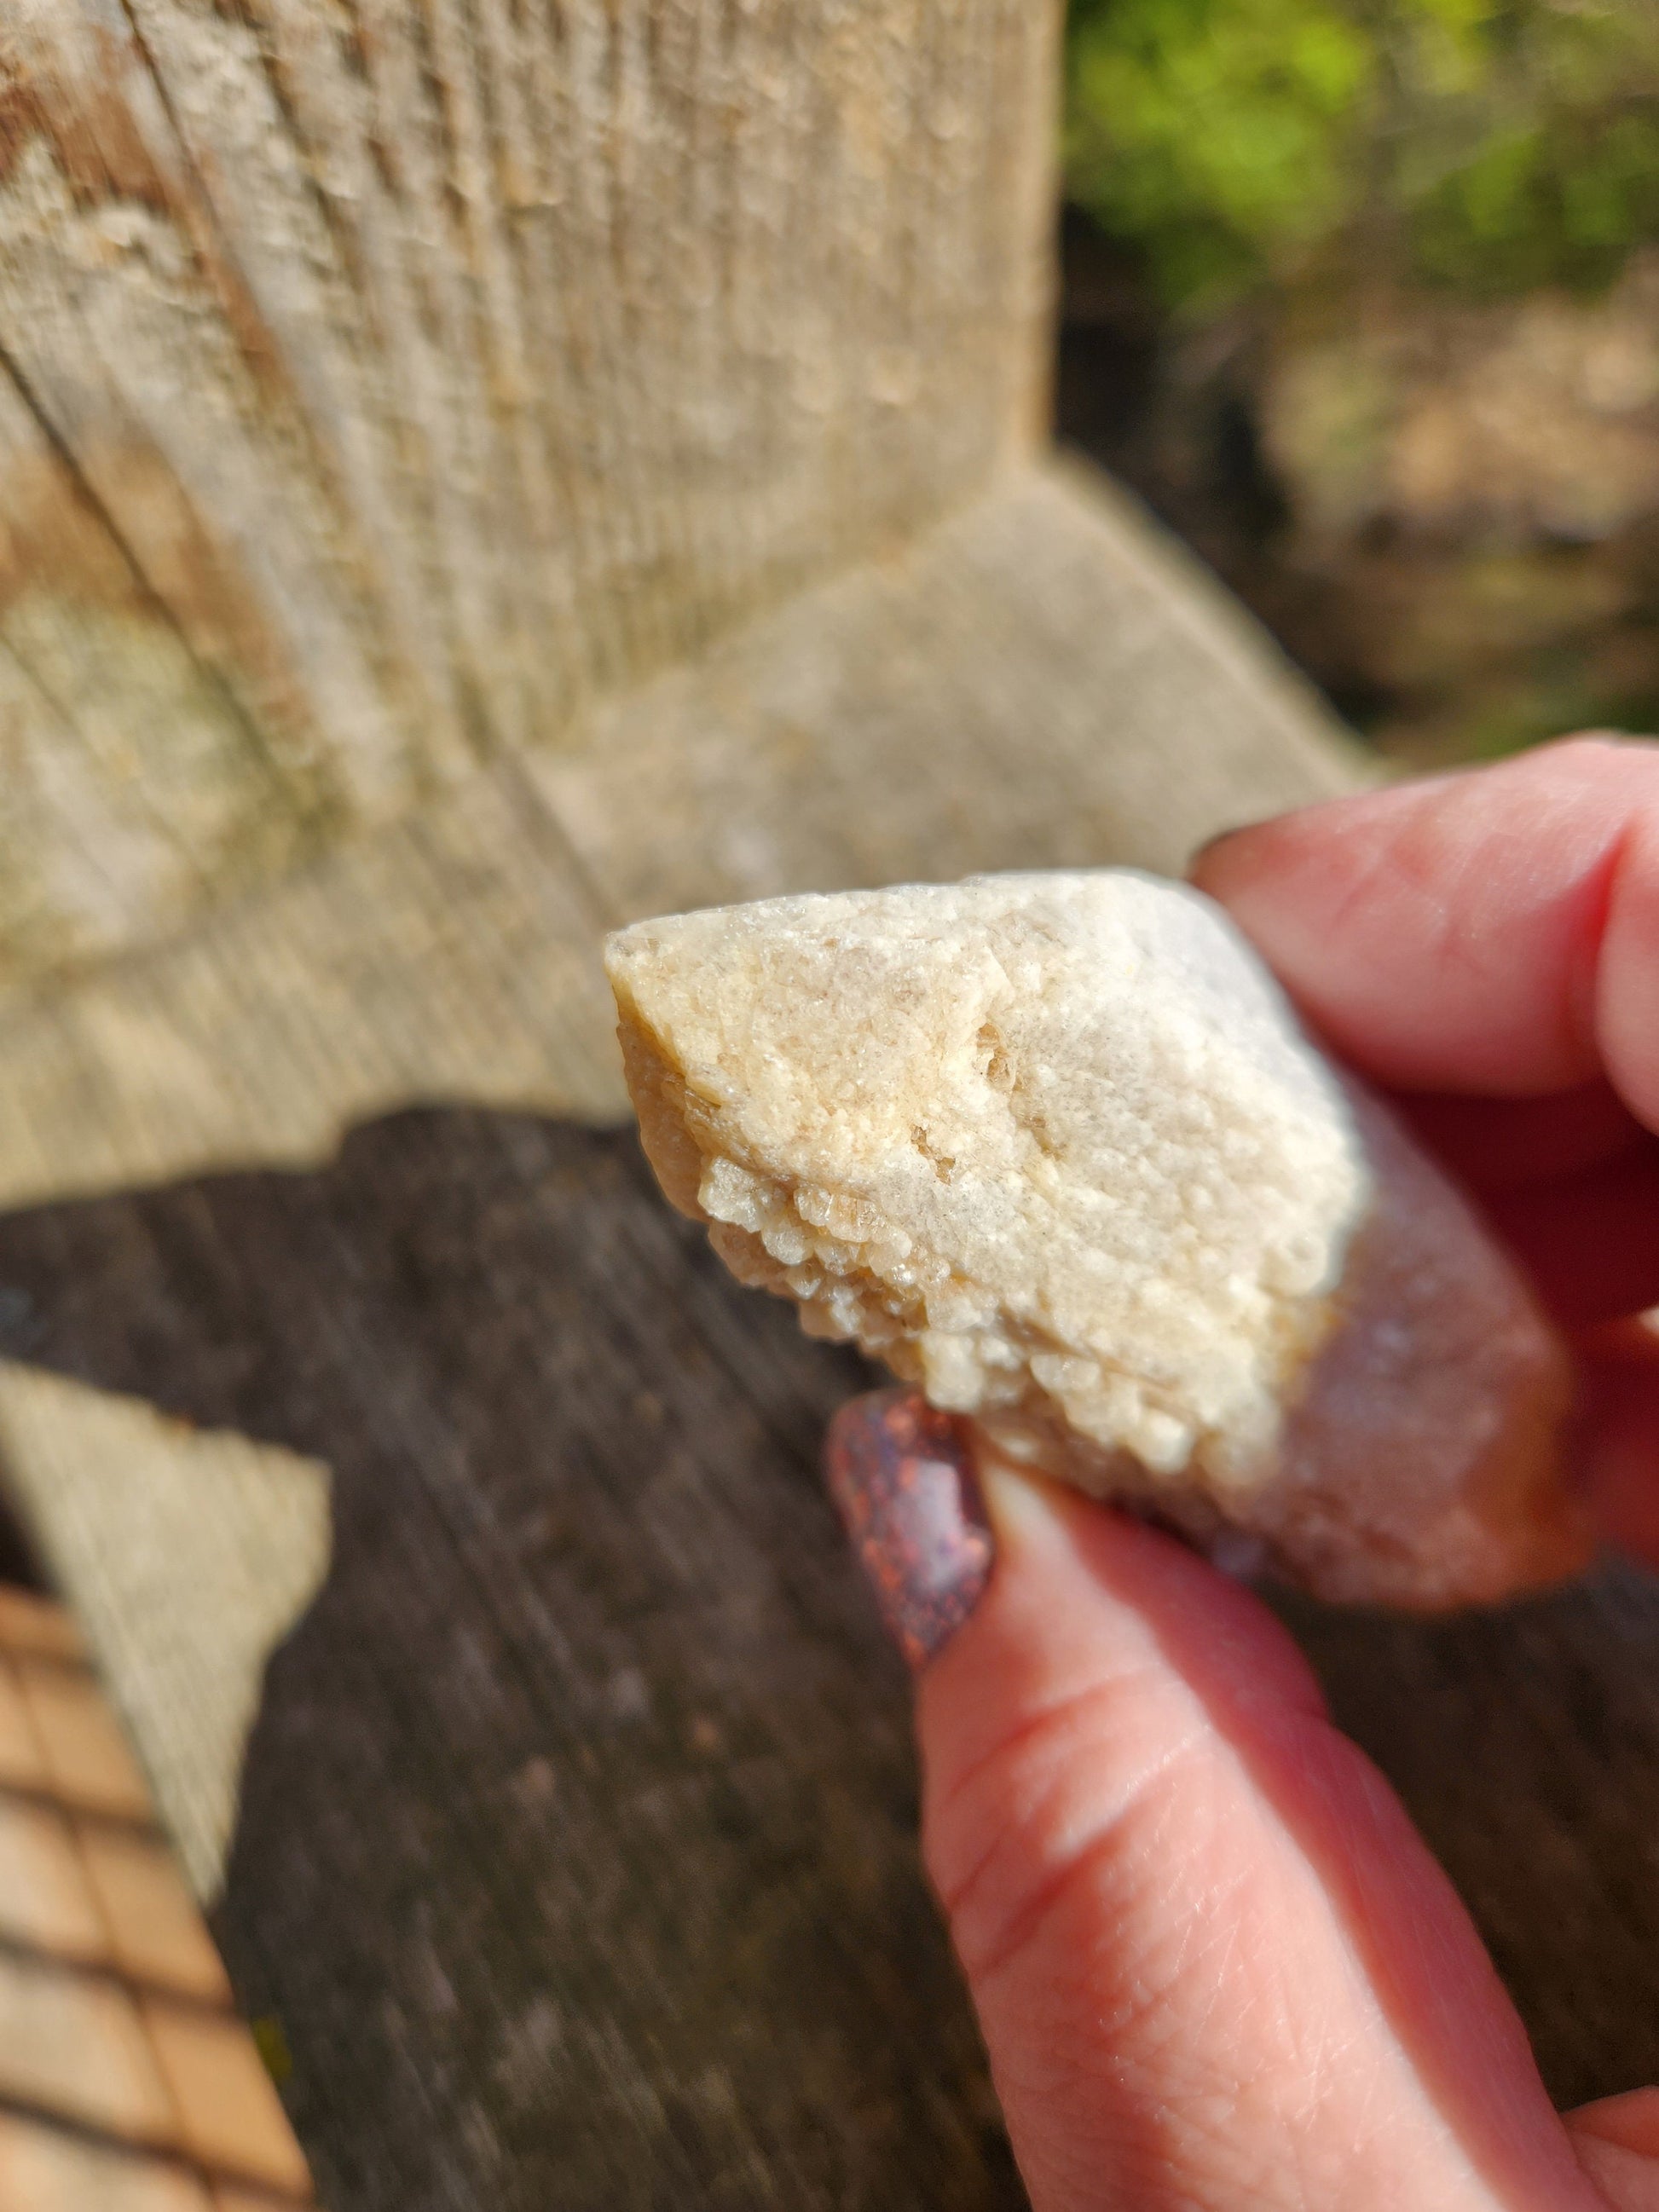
{"points": [[387, 391], [472, 471], [387, 385]]}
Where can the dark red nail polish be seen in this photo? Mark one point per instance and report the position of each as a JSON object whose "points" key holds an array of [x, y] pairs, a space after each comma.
{"points": [[901, 1475]]}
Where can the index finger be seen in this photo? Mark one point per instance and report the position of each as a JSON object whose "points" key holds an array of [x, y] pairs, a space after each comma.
{"points": [[1496, 930]]}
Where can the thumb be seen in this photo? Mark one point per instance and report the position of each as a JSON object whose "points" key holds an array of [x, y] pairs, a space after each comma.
{"points": [[1213, 1963]]}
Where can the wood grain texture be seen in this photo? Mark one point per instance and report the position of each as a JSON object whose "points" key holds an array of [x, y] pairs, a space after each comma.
{"points": [[452, 955], [1046, 680], [424, 371], [127, 781], [575, 1855], [1525, 1742], [1039, 681], [684, 1958], [139, 1513]]}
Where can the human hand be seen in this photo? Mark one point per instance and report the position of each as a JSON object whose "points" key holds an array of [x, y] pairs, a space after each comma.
{"points": [[1215, 1966]]}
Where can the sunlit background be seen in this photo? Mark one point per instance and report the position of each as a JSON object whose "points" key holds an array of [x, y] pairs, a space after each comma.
{"points": [[1364, 299]]}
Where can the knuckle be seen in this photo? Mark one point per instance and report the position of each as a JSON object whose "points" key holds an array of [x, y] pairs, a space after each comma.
{"points": [[1077, 1797]]}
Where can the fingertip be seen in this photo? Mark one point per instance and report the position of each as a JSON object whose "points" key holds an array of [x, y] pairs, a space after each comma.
{"points": [[1210, 857], [1631, 2120], [1175, 1888], [1231, 865], [1080, 1584], [1617, 2140], [1024, 1509], [1446, 933], [1624, 985]]}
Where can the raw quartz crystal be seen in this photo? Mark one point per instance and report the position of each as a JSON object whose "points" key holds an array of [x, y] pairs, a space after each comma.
{"points": [[1054, 1147]]}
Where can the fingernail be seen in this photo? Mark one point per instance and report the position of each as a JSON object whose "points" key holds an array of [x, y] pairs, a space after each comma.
{"points": [[1233, 1553], [1211, 846], [901, 1475]]}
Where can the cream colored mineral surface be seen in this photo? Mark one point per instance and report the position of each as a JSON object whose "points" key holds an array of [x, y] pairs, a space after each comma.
{"points": [[1055, 1148]]}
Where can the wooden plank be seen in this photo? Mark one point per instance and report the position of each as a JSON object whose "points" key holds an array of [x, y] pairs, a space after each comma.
{"points": [[1525, 1744], [142, 1517], [1041, 680], [127, 2083], [449, 955], [127, 777], [775, 2016], [576, 1856], [128, 338], [1044, 681], [431, 371]]}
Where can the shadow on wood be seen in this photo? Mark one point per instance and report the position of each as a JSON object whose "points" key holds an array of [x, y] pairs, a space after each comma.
{"points": [[576, 1854]]}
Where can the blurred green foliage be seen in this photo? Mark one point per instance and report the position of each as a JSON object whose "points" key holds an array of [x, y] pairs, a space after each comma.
{"points": [[1494, 145]]}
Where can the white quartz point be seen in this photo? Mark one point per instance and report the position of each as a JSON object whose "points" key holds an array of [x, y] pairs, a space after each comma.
{"points": [[1055, 1148]]}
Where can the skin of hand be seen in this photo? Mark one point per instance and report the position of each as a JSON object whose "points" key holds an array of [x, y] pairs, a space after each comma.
{"points": [[1216, 1967]]}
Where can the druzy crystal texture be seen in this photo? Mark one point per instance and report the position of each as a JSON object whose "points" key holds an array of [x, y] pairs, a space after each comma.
{"points": [[1054, 1147]]}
